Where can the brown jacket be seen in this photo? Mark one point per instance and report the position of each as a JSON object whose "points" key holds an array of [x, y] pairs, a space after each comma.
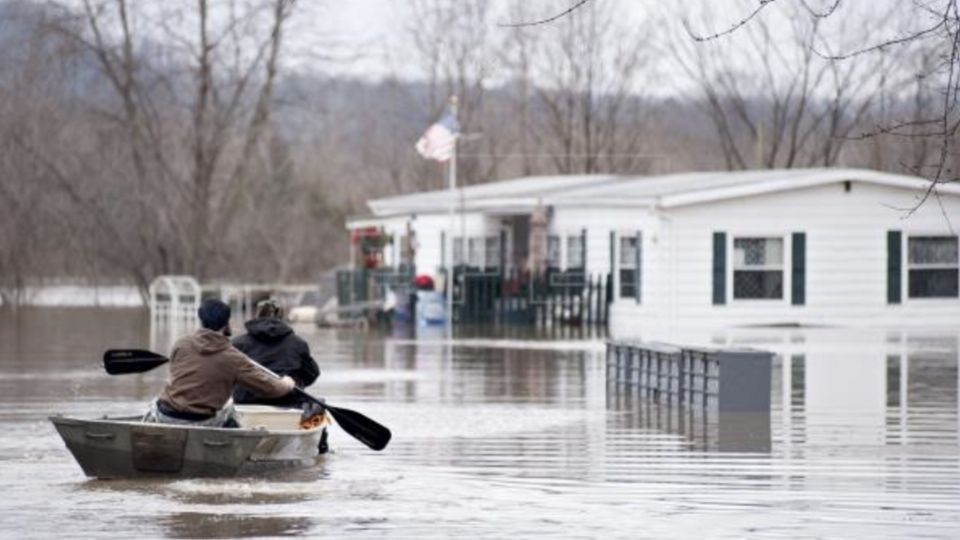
{"points": [[204, 368]]}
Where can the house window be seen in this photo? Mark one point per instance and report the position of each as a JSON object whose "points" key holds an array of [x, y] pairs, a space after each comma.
{"points": [[475, 252], [553, 252], [758, 268], [933, 266], [575, 252], [492, 252], [628, 267], [457, 251]]}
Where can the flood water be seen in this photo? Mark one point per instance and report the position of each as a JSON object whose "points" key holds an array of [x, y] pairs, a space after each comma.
{"points": [[510, 438]]}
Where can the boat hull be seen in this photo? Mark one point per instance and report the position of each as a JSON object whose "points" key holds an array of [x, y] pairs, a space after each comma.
{"points": [[127, 448]]}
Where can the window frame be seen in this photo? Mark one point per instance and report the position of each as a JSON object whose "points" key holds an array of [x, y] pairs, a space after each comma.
{"points": [[567, 237], [475, 246], [786, 266], [620, 237], [498, 251], [906, 266], [550, 263], [458, 249]]}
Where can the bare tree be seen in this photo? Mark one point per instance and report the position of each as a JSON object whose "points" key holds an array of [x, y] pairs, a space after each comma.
{"points": [[936, 28], [589, 74], [518, 53], [773, 101], [34, 76], [192, 136], [924, 104]]}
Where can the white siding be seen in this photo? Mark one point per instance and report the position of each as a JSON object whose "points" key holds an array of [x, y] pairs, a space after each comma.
{"points": [[429, 229], [428, 251], [846, 261], [599, 223]]}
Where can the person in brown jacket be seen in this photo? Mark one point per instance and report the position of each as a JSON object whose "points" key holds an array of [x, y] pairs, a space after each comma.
{"points": [[204, 369]]}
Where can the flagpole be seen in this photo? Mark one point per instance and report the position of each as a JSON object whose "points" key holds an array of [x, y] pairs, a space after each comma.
{"points": [[452, 178]]}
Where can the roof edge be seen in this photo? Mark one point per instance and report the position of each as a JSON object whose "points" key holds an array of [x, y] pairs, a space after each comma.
{"points": [[789, 184]]}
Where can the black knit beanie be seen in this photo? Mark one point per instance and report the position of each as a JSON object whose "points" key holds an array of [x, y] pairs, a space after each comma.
{"points": [[213, 314]]}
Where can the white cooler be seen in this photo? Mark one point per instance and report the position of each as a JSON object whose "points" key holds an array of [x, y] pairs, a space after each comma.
{"points": [[267, 417]]}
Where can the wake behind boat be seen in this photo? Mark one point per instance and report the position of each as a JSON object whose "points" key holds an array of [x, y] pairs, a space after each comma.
{"points": [[125, 447]]}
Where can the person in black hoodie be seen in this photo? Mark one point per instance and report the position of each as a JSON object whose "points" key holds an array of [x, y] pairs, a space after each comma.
{"points": [[271, 343]]}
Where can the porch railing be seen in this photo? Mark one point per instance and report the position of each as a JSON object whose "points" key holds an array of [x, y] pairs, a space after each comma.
{"points": [[549, 299], [552, 298]]}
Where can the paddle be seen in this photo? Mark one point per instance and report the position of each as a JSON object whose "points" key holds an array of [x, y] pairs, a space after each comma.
{"points": [[362, 428]]}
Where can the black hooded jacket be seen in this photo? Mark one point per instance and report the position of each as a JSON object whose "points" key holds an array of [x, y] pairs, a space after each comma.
{"points": [[273, 344]]}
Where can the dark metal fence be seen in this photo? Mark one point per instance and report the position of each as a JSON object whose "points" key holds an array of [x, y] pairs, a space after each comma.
{"points": [[552, 299], [721, 379], [549, 299]]}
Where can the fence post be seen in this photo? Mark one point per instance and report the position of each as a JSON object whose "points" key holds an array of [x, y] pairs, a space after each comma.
{"points": [[609, 299], [589, 300], [564, 302], [601, 293], [597, 302], [500, 295], [551, 303]]}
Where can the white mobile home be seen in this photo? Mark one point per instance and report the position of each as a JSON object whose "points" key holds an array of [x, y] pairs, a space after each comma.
{"points": [[710, 250]]}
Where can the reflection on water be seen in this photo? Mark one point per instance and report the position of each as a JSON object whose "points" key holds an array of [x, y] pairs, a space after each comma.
{"points": [[497, 439], [197, 525], [704, 430]]}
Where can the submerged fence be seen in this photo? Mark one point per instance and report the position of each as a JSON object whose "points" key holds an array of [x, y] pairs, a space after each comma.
{"points": [[720, 395], [721, 379]]}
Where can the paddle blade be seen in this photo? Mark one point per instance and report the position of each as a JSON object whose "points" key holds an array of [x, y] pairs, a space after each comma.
{"points": [[362, 428], [124, 361]]}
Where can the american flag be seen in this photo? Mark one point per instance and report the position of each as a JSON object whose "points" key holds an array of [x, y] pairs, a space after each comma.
{"points": [[439, 140]]}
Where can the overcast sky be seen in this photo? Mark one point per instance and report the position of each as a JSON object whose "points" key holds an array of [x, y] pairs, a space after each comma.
{"points": [[370, 38], [382, 29], [357, 33]]}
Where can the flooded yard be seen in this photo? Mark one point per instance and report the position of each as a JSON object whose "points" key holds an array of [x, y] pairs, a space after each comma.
{"points": [[510, 438]]}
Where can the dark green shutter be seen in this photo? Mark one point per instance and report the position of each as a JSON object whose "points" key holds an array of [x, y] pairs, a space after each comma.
{"points": [[719, 268], [799, 277], [639, 270], [894, 260], [583, 235], [503, 252], [613, 255]]}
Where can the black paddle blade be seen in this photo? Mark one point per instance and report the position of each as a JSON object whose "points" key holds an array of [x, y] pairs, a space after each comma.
{"points": [[362, 428], [124, 361]]}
